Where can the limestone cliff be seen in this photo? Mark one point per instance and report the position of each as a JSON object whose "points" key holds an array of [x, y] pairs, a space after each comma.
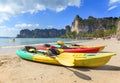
{"points": [[78, 26], [91, 24], [41, 33]]}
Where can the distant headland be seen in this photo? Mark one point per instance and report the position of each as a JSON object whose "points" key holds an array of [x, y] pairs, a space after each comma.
{"points": [[90, 27]]}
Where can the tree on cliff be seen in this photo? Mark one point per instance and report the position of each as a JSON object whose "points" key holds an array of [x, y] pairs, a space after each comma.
{"points": [[99, 27]]}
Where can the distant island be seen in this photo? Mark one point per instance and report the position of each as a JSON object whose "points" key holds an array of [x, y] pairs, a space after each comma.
{"points": [[41, 33], [90, 27]]}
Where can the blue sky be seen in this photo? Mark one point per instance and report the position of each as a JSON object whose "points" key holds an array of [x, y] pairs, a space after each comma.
{"points": [[31, 14]]}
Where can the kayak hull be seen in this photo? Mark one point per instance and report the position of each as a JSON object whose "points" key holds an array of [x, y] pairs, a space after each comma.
{"points": [[80, 59], [79, 50], [101, 47], [74, 50]]}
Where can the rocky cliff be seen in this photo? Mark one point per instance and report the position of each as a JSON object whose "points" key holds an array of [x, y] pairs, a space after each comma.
{"points": [[78, 25], [91, 24], [41, 33]]}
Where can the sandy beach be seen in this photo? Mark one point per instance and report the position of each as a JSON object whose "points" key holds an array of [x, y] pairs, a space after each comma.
{"points": [[13, 69]]}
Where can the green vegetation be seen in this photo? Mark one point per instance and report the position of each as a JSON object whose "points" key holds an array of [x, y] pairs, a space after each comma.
{"points": [[41, 33], [97, 27], [97, 33], [91, 27]]}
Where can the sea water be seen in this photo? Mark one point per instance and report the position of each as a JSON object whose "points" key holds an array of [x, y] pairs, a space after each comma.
{"points": [[8, 46], [29, 41]]}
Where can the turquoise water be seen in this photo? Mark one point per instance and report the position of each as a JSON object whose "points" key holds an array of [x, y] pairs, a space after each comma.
{"points": [[7, 47], [29, 41]]}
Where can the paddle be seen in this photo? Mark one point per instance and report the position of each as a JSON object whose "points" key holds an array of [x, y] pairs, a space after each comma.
{"points": [[63, 58]]}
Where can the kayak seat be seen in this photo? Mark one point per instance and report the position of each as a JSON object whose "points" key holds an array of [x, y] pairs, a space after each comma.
{"points": [[47, 45], [30, 49], [53, 52]]}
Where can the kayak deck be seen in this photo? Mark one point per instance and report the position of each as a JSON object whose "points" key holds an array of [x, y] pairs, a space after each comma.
{"points": [[80, 59]]}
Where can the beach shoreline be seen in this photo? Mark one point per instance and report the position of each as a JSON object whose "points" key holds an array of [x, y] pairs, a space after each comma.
{"points": [[13, 69]]}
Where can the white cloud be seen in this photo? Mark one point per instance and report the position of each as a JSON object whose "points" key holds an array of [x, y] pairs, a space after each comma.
{"points": [[8, 32], [112, 7], [27, 26], [13, 31], [113, 4], [10, 8], [113, 1]]}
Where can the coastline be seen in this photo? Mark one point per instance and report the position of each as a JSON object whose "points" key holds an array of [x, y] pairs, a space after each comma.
{"points": [[16, 70], [12, 48]]}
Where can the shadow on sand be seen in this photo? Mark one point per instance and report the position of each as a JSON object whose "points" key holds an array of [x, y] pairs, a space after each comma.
{"points": [[105, 67], [76, 70], [79, 74], [108, 68]]}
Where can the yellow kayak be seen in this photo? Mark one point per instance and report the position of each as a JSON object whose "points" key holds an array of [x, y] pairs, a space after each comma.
{"points": [[68, 59]]}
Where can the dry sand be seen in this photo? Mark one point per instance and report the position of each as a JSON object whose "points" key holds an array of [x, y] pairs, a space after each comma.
{"points": [[16, 70]]}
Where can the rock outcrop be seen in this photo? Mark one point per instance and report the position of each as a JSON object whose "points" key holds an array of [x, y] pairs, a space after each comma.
{"points": [[78, 26], [41, 33], [91, 24]]}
